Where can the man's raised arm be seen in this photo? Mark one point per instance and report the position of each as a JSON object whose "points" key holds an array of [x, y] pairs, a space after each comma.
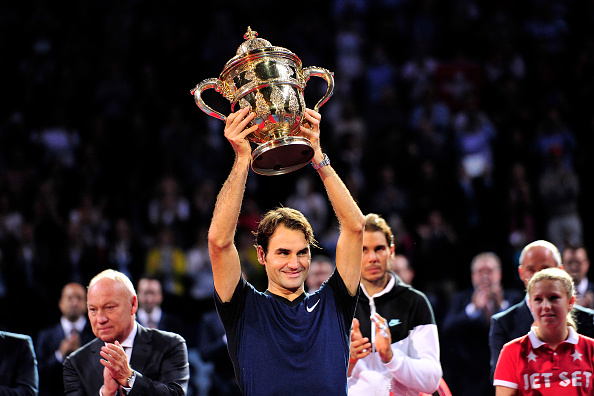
{"points": [[349, 248], [224, 257]]}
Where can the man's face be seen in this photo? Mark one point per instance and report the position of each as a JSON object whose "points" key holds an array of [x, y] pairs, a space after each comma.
{"points": [[536, 259], [73, 301], [111, 310], [486, 272], [576, 263], [287, 260], [149, 294], [401, 266], [319, 272], [376, 252]]}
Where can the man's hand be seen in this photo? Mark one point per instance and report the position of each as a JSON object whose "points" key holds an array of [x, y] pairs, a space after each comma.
{"points": [[236, 132], [310, 129], [115, 361], [110, 386], [69, 345], [383, 338], [360, 347]]}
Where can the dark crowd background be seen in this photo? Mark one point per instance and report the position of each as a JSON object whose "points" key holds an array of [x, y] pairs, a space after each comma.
{"points": [[467, 124]]}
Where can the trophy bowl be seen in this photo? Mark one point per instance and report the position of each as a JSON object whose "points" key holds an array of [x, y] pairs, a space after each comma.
{"points": [[270, 81]]}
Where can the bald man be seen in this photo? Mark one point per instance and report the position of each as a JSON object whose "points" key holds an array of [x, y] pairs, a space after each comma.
{"points": [[125, 358], [517, 320]]}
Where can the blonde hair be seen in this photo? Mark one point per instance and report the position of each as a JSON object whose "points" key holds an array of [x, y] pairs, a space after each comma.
{"points": [[556, 274], [115, 276]]}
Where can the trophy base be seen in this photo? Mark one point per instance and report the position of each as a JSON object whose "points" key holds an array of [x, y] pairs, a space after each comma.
{"points": [[282, 155]]}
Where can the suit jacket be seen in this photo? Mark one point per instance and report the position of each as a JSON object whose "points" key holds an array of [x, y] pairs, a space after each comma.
{"points": [[18, 366], [464, 343], [50, 368], [159, 359], [516, 321]]}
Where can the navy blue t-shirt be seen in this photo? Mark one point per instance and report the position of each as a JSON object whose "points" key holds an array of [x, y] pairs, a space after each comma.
{"points": [[282, 347]]}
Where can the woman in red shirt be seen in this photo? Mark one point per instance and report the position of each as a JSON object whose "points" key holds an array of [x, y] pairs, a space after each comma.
{"points": [[552, 359]]}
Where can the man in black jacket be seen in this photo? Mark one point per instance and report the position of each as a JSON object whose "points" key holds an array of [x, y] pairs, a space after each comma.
{"points": [[400, 350], [18, 367]]}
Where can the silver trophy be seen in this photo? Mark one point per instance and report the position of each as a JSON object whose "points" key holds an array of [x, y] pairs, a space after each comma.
{"points": [[270, 81]]}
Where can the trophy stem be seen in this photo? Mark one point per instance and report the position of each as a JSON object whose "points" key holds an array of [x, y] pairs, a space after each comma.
{"points": [[282, 155]]}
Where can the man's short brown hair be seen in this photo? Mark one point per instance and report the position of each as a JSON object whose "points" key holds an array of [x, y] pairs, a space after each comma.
{"points": [[288, 217], [374, 222]]}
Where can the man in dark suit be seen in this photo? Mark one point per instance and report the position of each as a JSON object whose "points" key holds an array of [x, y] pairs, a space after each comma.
{"points": [[576, 263], [126, 357], [56, 342], [465, 330], [18, 367], [150, 313], [517, 320]]}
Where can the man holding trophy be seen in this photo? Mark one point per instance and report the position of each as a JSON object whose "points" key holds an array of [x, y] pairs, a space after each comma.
{"points": [[285, 341]]}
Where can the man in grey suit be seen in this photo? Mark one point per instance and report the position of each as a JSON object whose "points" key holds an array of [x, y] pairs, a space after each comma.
{"points": [[18, 366], [125, 357], [517, 320]]}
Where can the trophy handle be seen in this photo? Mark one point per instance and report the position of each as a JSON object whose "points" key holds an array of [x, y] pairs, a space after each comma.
{"points": [[197, 92], [326, 75]]}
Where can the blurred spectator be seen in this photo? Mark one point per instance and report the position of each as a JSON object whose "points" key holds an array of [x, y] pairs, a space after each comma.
{"points": [[559, 192], [126, 253], [310, 202], [83, 260], [400, 265], [320, 269], [169, 208], [56, 342], [577, 264], [465, 334], [198, 269], [150, 314], [554, 139], [390, 197], [418, 72], [167, 261], [520, 212], [430, 109], [213, 350], [59, 141], [474, 136], [435, 252], [88, 216]]}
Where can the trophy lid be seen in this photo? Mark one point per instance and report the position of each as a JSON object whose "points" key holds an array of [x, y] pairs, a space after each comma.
{"points": [[252, 42], [254, 46]]}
